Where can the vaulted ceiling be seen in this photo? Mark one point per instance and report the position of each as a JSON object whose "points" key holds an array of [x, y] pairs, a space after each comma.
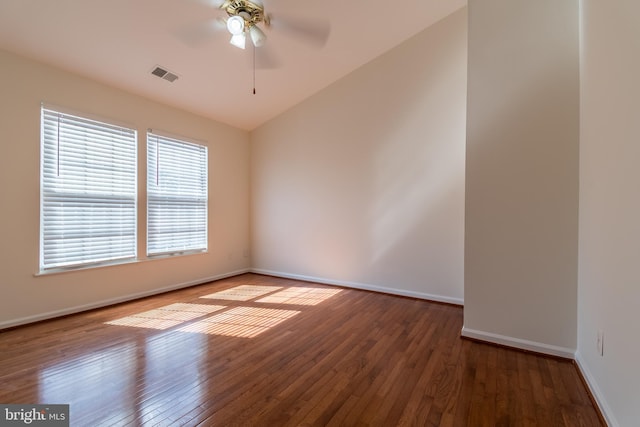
{"points": [[119, 43]]}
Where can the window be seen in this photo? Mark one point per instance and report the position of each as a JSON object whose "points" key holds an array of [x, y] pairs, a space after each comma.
{"points": [[176, 196], [88, 191]]}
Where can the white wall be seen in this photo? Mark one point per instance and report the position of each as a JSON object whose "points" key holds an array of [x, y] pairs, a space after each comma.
{"points": [[363, 183], [25, 296], [609, 282], [522, 174]]}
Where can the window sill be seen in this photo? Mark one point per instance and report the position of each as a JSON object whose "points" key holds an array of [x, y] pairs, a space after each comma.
{"points": [[158, 257]]}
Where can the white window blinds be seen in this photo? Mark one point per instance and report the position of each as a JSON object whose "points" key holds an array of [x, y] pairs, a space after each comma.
{"points": [[177, 196], [88, 191]]}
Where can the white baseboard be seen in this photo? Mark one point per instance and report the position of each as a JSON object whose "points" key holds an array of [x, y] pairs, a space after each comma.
{"points": [[363, 286], [518, 343], [597, 394], [104, 303]]}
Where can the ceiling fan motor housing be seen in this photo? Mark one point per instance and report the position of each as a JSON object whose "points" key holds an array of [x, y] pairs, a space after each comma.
{"points": [[252, 13]]}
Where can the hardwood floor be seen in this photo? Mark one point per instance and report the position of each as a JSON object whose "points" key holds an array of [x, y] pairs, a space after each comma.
{"points": [[260, 351]]}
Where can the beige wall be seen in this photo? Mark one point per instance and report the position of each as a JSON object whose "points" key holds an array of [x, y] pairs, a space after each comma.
{"points": [[609, 285], [25, 296], [522, 174], [363, 183]]}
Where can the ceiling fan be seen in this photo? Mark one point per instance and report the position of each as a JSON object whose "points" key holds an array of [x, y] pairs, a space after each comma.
{"points": [[246, 17], [244, 20]]}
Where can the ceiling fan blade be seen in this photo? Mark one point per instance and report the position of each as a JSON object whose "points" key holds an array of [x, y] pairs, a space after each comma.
{"points": [[312, 32], [198, 34], [265, 58]]}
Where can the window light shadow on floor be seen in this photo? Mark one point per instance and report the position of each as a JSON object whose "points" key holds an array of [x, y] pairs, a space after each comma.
{"points": [[245, 322], [240, 321], [243, 292], [167, 316], [300, 296]]}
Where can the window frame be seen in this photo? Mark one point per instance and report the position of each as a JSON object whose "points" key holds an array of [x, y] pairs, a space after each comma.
{"points": [[161, 136], [47, 189]]}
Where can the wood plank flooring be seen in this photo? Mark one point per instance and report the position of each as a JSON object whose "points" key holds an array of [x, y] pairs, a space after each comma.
{"points": [[261, 351]]}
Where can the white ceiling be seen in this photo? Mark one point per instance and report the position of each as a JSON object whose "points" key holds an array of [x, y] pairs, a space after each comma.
{"points": [[119, 42]]}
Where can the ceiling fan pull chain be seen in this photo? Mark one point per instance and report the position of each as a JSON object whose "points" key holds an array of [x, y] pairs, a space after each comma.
{"points": [[254, 70]]}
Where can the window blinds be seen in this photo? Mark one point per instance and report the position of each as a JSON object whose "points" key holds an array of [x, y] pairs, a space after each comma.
{"points": [[177, 196], [88, 191]]}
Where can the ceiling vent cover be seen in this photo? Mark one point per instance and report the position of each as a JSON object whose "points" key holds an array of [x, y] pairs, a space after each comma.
{"points": [[164, 74]]}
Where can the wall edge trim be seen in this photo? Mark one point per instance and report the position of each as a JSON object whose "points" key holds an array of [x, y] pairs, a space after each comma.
{"points": [[597, 394], [111, 301], [551, 350], [362, 286]]}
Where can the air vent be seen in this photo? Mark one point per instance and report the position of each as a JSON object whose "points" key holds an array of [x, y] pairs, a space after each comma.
{"points": [[164, 74], [159, 72], [170, 77]]}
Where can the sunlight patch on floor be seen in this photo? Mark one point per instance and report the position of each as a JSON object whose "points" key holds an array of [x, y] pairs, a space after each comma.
{"points": [[243, 292], [243, 322], [166, 317], [300, 296]]}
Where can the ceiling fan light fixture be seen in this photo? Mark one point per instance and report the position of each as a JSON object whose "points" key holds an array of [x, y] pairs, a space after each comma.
{"points": [[238, 40], [257, 36], [235, 25]]}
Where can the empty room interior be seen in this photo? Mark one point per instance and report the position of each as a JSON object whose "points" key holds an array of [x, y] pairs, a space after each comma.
{"points": [[429, 203]]}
